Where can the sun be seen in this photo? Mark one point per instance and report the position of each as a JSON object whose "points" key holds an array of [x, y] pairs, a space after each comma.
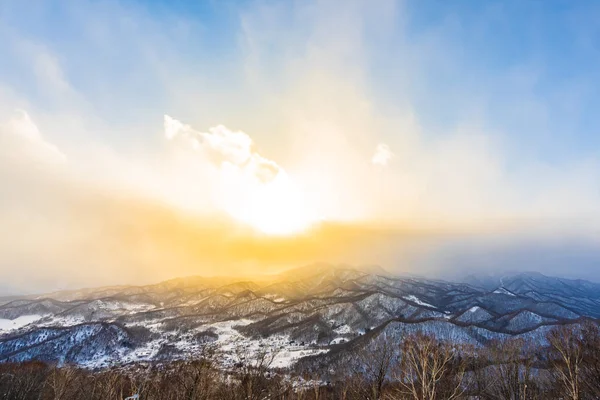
{"points": [[251, 188], [276, 207]]}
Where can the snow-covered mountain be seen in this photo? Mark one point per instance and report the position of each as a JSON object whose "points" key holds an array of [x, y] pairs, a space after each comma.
{"points": [[311, 311]]}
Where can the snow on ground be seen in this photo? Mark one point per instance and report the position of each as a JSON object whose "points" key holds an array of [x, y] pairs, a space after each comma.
{"points": [[143, 353], [235, 347], [415, 299], [274, 297], [231, 345], [343, 330], [193, 302], [62, 321], [7, 325], [289, 356], [501, 290], [113, 305]]}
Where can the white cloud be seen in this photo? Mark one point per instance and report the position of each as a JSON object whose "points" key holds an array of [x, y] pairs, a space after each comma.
{"points": [[22, 141], [382, 155], [222, 146]]}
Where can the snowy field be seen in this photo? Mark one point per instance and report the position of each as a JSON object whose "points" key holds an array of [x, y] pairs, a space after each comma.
{"points": [[8, 325]]}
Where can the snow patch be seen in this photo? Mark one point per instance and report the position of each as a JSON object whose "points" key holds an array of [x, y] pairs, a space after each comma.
{"points": [[235, 347], [501, 290], [275, 298], [415, 299], [343, 330], [62, 321], [7, 325]]}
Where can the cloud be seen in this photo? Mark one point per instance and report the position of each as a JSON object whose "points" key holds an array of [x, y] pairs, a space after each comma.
{"points": [[382, 155], [250, 187], [21, 141], [221, 146]]}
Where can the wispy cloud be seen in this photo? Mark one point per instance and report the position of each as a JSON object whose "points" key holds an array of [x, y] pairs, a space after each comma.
{"points": [[22, 142]]}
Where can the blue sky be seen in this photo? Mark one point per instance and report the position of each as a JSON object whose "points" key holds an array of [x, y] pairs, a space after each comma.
{"points": [[529, 69]]}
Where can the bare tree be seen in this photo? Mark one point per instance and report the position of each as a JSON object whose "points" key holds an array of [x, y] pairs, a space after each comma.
{"points": [[567, 359], [252, 372], [344, 378], [505, 370], [429, 369], [23, 381], [376, 363], [60, 381], [590, 335], [195, 379]]}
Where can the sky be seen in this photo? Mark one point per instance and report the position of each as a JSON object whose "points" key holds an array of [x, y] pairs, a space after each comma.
{"points": [[144, 140]]}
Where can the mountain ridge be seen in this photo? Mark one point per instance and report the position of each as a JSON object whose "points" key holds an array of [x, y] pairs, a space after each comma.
{"points": [[309, 311]]}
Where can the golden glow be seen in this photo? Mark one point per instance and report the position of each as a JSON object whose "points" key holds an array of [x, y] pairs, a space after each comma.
{"points": [[276, 207]]}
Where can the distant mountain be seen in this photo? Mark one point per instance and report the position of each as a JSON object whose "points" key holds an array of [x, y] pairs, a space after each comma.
{"points": [[316, 311]]}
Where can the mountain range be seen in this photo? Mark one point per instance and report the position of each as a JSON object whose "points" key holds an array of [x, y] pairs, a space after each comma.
{"points": [[315, 311]]}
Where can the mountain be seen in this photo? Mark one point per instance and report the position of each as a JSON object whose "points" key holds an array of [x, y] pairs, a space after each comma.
{"points": [[316, 311]]}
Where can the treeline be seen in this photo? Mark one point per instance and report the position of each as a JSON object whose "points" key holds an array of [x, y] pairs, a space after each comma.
{"points": [[419, 367]]}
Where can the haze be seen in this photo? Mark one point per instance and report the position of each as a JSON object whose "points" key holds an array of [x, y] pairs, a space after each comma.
{"points": [[145, 140]]}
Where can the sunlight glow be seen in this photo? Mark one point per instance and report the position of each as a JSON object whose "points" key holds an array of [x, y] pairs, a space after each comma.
{"points": [[276, 207], [253, 189]]}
